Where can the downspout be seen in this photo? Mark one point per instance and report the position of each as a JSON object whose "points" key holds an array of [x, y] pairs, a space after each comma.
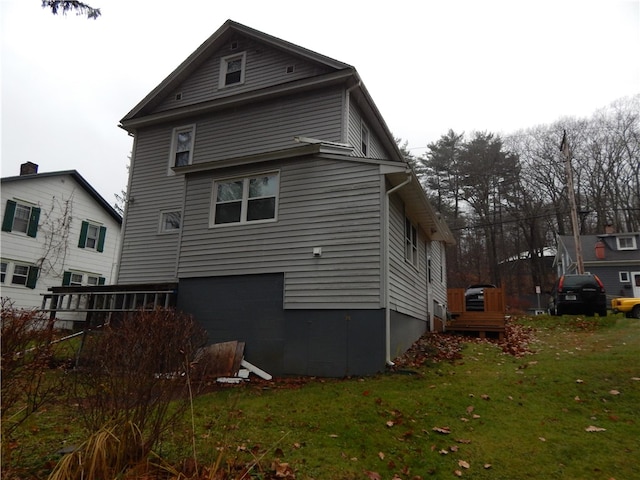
{"points": [[347, 112], [387, 269]]}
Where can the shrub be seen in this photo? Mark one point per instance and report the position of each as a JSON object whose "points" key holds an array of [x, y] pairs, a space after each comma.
{"points": [[136, 373], [27, 350]]}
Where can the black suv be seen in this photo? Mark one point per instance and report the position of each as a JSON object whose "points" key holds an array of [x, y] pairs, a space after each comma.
{"points": [[578, 294]]}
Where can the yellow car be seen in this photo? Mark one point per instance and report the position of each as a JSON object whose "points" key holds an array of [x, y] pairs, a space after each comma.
{"points": [[629, 306]]}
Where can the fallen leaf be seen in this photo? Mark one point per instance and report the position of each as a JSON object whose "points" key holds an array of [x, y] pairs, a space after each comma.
{"points": [[443, 430], [476, 416], [373, 475], [333, 435], [463, 440], [390, 423], [297, 446], [614, 392], [457, 473], [577, 399], [487, 466], [485, 397], [454, 448], [444, 452], [579, 381], [470, 409], [463, 464], [591, 428], [542, 439], [381, 455]]}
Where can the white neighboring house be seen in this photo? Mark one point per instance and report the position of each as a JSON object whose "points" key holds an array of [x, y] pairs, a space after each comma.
{"points": [[56, 230]]}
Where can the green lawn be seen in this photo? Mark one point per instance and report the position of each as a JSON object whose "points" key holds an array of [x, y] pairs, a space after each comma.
{"points": [[488, 415]]}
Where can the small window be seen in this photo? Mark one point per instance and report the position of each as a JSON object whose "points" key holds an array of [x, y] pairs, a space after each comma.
{"points": [[3, 271], [170, 221], [21, 217], [20, 275], [624, 277], [244, 200], [429, 269], [76, 280], [182, 147], [291, 68], [364, 140], [232, 69], [233, 46], [92, 236], [179, 96], [411, 243], [626, 243], [93, 280]]}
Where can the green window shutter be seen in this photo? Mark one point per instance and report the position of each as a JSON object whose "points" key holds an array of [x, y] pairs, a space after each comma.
{"points": [[66, 279], [101, 236], [32, 277], [83, 235], [101, 280], [32, 229], [9, 213]]}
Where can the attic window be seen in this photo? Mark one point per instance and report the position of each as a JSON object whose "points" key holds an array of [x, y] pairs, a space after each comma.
{"points": [[233, 46], [232, 70], [364, 140], [626, 243], [179, 96], [290, 69]]}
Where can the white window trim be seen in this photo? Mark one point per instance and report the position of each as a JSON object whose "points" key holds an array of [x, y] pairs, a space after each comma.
{"points": [[161, 228], [624, 277], [224, 63], [413, 248], [245, 200], [633, 246], [174, 145], [364, 129]]}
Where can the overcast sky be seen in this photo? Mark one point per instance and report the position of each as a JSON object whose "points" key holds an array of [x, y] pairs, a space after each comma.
{"points": [[430, 65]]}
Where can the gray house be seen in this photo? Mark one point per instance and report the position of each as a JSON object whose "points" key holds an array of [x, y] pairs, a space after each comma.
{"points": [[614, 257], [265, 182]]}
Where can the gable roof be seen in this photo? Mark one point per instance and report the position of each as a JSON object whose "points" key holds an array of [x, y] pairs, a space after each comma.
{"points": [[143, 113], [80, 180]]}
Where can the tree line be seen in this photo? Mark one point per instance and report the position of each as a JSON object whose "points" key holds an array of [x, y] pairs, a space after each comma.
{"points": [[505, 197]]}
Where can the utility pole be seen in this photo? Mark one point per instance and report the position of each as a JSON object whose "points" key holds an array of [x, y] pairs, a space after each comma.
{"points": [[564, 148]]}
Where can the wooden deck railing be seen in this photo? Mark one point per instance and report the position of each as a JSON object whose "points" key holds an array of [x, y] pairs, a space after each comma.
{"points": [[491, 319]]}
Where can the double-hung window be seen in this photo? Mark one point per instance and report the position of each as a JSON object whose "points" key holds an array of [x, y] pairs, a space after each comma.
{"points": [[92, 236], [232, 69], [244, 200], [21, 217], [410, 243], [80, 279], [182, 146], [3, 271]]}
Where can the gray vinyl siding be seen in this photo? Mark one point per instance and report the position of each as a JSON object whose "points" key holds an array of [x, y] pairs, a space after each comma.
{"points": [[322, 203], [269, 126], [147, 255], [354, 134], [264, 67], [408, 289]]}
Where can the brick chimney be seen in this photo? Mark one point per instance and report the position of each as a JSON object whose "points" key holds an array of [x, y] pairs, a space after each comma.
{"points": [[608, 229], [28, 168]]}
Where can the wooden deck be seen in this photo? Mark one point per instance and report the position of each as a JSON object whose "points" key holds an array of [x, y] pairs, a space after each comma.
{"points": [[491, 320]]}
